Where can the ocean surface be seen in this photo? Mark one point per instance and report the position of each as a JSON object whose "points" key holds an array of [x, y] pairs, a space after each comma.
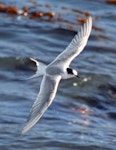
{"points": [[83, 114]]}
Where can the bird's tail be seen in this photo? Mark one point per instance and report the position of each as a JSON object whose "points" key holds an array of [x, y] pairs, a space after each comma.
{"points": [[40, 69]]}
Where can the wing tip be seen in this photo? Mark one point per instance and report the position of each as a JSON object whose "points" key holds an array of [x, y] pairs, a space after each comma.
{"points": [[90, 17], [85, 29], [24, 130], [89, 21]]}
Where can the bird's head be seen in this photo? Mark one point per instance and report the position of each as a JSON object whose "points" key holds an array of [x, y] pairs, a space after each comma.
{"points": [[72, 72]]}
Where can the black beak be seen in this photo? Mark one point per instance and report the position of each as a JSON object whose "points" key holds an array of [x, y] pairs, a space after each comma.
{"points": [[78, 76]]}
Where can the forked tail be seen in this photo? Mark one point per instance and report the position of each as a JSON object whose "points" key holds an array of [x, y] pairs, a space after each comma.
{"points": [[40, 69]]}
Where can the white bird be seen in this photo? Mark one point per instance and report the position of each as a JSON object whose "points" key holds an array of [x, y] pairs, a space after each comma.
{"points": [[52, 74]]}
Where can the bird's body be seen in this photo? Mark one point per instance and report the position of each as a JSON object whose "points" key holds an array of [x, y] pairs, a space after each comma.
{"points": [[52, 74]]}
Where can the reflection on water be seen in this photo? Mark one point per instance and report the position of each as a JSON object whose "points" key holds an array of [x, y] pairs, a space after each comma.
{"points": [[83, 115]]}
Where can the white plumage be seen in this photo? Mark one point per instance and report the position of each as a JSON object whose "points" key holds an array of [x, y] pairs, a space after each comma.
{"points": [[52, 74]]}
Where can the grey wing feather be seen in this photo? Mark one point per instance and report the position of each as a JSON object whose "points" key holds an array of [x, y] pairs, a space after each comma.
{"points": [[45, 97], [76, 46]]}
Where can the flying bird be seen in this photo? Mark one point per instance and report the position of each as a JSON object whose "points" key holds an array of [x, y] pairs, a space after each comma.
{"points": [[52, 74]]}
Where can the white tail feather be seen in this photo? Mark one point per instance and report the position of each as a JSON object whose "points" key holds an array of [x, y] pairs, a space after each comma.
{"points": [[40, 69]]}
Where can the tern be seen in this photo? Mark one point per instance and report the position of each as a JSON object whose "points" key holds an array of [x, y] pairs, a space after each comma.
{"points": [[52, 74]]}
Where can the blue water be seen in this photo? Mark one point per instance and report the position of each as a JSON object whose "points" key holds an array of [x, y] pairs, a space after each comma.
{"points": [[83, 114]]}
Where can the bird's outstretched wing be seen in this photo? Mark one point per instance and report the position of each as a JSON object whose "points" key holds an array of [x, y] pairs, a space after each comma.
{"points": [[76, 46], [45, 97]]}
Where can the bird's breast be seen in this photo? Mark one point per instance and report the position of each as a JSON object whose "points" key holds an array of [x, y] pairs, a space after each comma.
{"points": [[54, 70]]}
